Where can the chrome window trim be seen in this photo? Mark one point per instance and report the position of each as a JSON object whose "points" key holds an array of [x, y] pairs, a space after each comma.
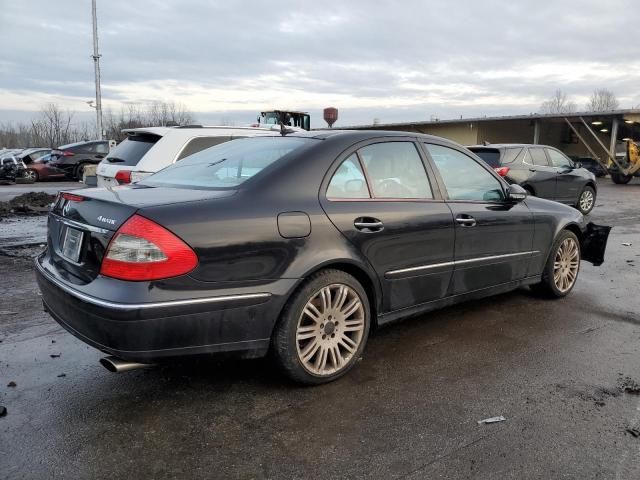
{"points": [[458, 262], [130, 306], [82, 226]]}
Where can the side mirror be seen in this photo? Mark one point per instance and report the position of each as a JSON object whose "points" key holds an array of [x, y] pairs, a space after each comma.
{"points": [[516, 193], [577, 165]]}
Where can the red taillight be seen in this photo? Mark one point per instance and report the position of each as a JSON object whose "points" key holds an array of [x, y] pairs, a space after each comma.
{"points": [[72, 197], [67, 153], [123, 176], [143, 250], [502, 171]]}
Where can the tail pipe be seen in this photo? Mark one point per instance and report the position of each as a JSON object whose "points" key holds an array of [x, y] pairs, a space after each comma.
{"points": [[117, 365]]}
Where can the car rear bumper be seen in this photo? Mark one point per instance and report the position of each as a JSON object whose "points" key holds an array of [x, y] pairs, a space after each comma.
{"points": [[151, 331]]}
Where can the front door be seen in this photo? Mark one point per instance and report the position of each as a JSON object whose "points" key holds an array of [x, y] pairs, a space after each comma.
{"points": [[493, 237], [381, 199], [569, 182]]}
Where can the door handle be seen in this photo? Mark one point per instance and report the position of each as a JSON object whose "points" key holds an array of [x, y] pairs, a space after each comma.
{"points": [[466, 221], [533, 170], [368, 224]]}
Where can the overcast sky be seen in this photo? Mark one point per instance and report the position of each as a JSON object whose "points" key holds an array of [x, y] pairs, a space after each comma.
{"points": [[390, 60]]}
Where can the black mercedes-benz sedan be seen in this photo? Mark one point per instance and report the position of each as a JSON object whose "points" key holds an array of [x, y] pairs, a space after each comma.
{"points": [[298, 245], [543, 171]]}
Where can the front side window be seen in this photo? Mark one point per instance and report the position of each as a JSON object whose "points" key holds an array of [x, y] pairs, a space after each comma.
{"points": [[558, 159], [348, 181], [537, 157], [395, 170], [102, 148], [464, 178]]}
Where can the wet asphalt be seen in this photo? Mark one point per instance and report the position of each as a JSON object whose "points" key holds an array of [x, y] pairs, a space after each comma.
{"points": [[409, 410]]}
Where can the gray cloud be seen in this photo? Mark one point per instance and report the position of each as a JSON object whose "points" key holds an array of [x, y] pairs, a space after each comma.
{"points": [[390, 60]]}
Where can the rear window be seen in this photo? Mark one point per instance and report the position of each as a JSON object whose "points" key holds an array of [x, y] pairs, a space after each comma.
{"points": [[490, 155], [132, 149], [226, 165]]}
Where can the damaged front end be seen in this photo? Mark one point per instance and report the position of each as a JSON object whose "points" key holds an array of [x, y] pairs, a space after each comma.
{"points": [[594, 243]]}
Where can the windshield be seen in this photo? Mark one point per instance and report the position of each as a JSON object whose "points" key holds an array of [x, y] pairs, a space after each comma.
{"points": [[131, 150], [228, 164]]}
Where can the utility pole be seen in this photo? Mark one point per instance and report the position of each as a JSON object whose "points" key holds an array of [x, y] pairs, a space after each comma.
{"points": [[96, 65]]}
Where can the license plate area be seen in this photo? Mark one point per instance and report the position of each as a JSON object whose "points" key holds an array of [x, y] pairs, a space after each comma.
{"points": [[72, 244]]}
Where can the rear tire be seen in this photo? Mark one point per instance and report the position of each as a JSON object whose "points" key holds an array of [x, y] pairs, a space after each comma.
{"points": [[79, 171], [33, 175], [561, 270], [323, 328], [586, 200], [620, 179]]}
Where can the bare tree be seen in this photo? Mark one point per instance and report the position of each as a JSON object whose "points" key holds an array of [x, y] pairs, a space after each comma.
{"points": [[558, 103], [602, 100]]}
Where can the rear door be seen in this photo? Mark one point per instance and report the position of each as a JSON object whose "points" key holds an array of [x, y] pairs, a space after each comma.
{"points": [[493, 237], [542, 176], [380, 197], [569, 181]]}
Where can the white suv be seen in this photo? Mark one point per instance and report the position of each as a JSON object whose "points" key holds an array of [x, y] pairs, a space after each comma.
{"points": [[148, 150]]}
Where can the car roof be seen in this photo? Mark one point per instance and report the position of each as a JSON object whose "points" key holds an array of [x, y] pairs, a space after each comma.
{"points": [[509, 145], [189, 130], [77, 144]]}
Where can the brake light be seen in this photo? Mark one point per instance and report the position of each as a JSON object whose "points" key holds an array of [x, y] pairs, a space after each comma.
{"points": [[123, 176], [67, 153], [502, 171], [143, 250], [72, 197]]}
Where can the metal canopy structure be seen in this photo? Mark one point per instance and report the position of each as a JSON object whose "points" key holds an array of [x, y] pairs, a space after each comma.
{"points": [[599, 135]]}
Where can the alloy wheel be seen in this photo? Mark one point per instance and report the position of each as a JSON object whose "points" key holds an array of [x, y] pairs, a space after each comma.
{"points": [[565, 266], [330, 329], [586, 200]]}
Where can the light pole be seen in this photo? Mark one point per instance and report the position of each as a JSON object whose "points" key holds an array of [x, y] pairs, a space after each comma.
{"points": [[96, 65]]}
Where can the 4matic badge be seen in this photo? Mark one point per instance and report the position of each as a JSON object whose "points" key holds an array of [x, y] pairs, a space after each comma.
{"points": [[110, 221]]}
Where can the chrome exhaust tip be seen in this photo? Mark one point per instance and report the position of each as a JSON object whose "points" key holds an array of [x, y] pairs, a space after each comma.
{"points": [[117, 365]]}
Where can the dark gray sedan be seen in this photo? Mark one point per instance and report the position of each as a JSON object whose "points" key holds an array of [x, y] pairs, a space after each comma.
{"points": [[543, 171]]}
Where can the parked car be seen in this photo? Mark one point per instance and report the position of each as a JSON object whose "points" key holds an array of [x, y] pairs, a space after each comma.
{"points": [[42, 169], [13, 170], [543, 171], [590, 164], [148, 150], [73, 158], [298, 244]]}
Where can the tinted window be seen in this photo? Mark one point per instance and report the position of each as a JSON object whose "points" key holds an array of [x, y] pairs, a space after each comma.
{"points": [[228, 164], [464, 178], [395, 170], [132, 149], [490, 155], [198, 144], [348, 181], [537, 157], [558, 159], [510, 154], [101, 147]]}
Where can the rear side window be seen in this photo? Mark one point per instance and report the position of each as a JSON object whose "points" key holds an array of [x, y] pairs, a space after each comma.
{"points": [[226, 165], [395, 170], [348, 181], [537, 157], [510, 154], [490, 155], [198, 144], [132, 149]]}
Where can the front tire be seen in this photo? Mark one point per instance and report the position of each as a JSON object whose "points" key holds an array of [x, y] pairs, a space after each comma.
{"points": [[620, 179], [586, 200], [563, 265], [323, 329]]}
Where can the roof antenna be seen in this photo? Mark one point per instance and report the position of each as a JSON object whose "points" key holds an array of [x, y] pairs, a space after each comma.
{"points": [[486, 143]]}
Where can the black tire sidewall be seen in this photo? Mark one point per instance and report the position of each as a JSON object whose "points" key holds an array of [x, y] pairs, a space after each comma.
{"points": [[284, 339]]}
